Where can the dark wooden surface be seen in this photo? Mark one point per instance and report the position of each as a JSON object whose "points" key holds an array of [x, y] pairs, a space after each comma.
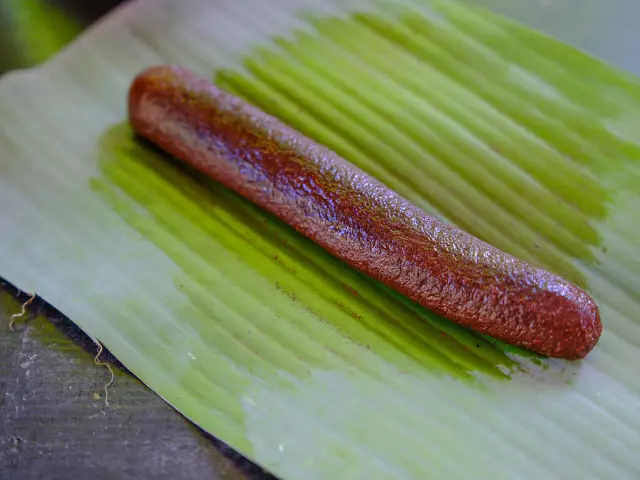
{"points": [[54, 423]]}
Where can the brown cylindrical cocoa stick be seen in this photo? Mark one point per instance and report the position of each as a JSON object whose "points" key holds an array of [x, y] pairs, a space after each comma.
{"points": [[358, 219]]}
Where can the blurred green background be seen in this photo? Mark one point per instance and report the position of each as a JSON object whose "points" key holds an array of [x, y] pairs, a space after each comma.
{"points": [[31, 31]]}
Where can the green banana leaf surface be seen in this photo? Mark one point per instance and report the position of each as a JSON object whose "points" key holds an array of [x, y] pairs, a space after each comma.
{"points": [[263, 339]]}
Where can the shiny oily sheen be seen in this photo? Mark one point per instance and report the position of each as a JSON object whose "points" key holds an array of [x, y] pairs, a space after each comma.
{"points": [[358, 219]]}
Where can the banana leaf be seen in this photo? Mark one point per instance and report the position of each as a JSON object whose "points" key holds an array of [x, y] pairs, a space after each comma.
{"points": [[263, 339]]}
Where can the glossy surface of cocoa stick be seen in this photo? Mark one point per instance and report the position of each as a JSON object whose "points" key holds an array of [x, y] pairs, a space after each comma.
{"points": [[358, 219]]}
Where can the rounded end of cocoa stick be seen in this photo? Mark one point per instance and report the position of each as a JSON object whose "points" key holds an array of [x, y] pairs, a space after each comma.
{"points": [[154, 79], [568, 323], [158, 92]]}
